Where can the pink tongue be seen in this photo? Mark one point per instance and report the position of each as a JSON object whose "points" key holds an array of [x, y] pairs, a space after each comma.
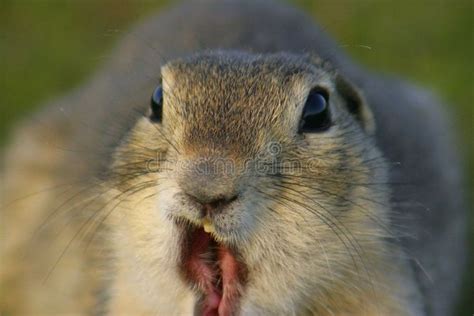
{"points": [[211, 304], [217, 301], [230, 271]]}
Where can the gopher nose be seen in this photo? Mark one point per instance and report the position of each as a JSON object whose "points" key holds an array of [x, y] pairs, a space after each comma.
{"points": [[213, 195], [211, 182], [212, 204]]}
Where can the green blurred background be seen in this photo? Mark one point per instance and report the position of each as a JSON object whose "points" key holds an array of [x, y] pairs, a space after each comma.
{"points": [[48, 47]]}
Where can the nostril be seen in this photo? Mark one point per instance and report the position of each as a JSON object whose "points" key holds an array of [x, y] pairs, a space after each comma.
{"points": [[218, 204], [214, 205]]}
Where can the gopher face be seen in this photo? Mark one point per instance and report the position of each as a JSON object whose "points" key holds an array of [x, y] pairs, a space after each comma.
{"points": [[246, 165]]}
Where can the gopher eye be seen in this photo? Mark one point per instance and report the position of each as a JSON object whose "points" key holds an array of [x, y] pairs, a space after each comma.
{"points": [[316, 117], [156, 105]]}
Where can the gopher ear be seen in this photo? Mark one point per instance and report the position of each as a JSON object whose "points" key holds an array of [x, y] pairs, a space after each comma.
{"points": [[356, 104]]}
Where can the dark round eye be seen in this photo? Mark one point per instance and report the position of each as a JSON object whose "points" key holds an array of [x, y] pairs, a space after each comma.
{"points": [[157, 105], [316, 117]]}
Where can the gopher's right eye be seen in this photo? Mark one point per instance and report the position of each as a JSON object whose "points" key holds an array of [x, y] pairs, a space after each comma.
{"points": [[157, 105]]}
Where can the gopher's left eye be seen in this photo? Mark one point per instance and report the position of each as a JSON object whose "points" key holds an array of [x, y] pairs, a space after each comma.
{"points": [[316, 116], [156, 105]]}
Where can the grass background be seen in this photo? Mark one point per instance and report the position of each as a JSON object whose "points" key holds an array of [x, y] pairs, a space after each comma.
{"points": [[49, 46]]}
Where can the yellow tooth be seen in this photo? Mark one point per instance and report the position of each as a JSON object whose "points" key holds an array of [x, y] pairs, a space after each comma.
{"points": [[207, 225]]}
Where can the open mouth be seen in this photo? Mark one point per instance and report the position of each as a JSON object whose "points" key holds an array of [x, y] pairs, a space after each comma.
{"points": [[214, 270]]}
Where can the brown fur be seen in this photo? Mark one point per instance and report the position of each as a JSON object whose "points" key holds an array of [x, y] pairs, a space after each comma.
{"points": [[110, 182]]}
